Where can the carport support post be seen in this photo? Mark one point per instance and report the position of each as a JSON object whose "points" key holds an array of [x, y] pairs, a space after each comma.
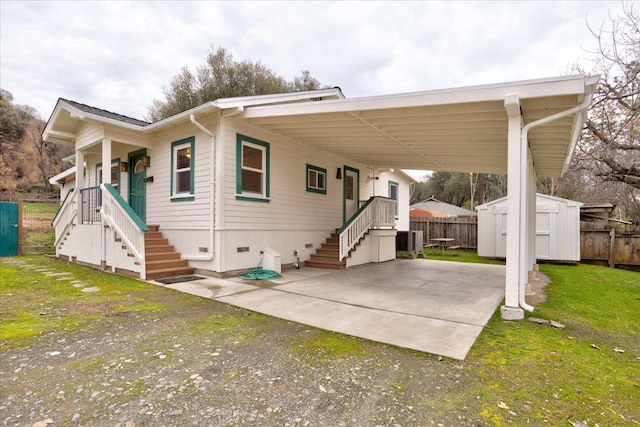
{"points": [[516, 210]]}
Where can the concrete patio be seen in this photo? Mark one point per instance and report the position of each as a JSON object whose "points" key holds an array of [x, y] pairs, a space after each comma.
{"points": [[432, 306]]}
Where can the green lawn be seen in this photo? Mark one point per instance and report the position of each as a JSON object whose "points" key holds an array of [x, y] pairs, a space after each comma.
{"points": [[518, 373], [38, 233]]}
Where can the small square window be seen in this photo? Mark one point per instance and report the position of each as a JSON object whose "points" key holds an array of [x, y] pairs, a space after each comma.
{"points": [[316, 179]]}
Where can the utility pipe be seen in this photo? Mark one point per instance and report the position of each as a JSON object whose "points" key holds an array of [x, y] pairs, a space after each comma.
{"points": [[523, 159], [212, 140]]}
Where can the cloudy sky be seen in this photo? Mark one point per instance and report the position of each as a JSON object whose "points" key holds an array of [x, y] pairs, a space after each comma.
{"points": [[119, 55]]}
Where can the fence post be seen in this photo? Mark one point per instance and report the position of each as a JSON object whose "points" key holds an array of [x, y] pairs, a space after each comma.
{"points": [[20, 226], [612, 234]]}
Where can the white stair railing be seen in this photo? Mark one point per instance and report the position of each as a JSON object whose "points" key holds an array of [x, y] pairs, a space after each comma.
{"points": [[65, 216], [377, 212], [124, 221]]}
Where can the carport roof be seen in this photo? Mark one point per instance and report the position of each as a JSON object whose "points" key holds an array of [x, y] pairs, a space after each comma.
{"points": [[455, 130]]}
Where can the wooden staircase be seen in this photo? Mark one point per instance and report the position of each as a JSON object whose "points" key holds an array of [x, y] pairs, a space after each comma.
{"points": [[161, 260], [328, 254]]}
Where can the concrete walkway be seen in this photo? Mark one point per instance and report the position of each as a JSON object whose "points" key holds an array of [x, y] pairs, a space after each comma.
{"points": [[432, 306]]}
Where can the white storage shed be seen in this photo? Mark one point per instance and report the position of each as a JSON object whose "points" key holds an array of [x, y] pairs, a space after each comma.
{"points": [[557, 229]]}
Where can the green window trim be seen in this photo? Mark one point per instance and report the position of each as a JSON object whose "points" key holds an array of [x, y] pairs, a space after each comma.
{"points": [[319, 175], [263, 172], [176, 146]]}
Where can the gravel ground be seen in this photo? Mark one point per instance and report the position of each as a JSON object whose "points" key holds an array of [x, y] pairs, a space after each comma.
{"points": [[202, 363]]}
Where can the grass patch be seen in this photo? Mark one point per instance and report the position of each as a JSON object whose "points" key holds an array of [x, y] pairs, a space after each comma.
{"points": [[229, 326], [526, 373], [33, 303], [462, 256], [517, 373], [322, 346]]}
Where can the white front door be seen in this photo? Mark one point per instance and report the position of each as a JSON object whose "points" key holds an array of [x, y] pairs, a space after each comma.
{"points": [[351, 192]]}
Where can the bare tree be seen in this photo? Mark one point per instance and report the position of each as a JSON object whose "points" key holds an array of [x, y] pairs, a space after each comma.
{"points": [[609, 149]]}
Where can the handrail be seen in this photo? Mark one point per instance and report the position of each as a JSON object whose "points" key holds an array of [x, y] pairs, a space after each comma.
{"points": [[124, 221], [377, 212], [53, 221], [65, 216]]}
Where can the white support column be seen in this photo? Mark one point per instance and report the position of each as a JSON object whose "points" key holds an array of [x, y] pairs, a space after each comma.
{"points": [[531, 215], [106, 161], [80, 182], [516, 190]]}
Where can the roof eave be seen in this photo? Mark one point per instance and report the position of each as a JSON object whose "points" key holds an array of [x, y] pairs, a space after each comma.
{"points": [[564, 85]]}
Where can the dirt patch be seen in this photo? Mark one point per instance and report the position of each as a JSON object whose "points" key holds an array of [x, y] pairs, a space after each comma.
{"points": [[202, 363], [535, 289]]}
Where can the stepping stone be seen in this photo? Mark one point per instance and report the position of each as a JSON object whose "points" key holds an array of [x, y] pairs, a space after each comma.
{"points": [[64, 278], [91, 289], [80, 285], [42, 270], [57, 274]]}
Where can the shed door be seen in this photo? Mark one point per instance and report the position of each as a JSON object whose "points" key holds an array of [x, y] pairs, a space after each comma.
{"points": [[9, 229], [546, 235]]}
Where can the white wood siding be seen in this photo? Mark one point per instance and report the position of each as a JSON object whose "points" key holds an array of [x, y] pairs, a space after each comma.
{"points": [[89, 134], [293, 218], [160, 208], [186, 223], [381, 188]]}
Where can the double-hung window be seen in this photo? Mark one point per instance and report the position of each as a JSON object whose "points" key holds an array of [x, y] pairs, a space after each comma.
{"points": [[252, 169], [393, 194], [316, 179], [182, 169]]}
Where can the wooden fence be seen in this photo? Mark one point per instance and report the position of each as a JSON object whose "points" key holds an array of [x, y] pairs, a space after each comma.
{"points": [[617, 247], [463, 229]]}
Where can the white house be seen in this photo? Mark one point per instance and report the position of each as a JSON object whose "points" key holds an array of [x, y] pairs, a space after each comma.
{"points": [[557, 225], [219, 201], [227, 179]]}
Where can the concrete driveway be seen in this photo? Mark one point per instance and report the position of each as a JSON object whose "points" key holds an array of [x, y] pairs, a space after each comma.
{"points": [[432, 306]]}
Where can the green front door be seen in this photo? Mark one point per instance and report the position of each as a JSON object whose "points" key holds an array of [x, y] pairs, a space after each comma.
{"points": [[9, 231], [137, 184]]}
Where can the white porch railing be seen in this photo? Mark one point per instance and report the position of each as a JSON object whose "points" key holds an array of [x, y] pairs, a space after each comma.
{"points": [[65, 217], [377, 212], [124, 221]]}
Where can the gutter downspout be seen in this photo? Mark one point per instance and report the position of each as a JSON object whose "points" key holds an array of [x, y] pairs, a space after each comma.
{"points": [[212, 140], [525, 144]]}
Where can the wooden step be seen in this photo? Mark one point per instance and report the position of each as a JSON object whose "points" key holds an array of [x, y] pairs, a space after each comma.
{"points": [[159, 248], [326, 259], [328, 252], [153, 227], [153, 235], [161, 256], [172, 263], [313, 264], [330, 245], [155, 242], [168, 272]]}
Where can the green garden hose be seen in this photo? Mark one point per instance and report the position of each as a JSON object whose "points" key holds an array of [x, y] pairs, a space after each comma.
{"points": [[260, 274]]}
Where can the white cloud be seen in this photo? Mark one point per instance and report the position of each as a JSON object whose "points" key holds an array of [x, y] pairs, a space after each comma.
{"points": [[119, 55]]}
